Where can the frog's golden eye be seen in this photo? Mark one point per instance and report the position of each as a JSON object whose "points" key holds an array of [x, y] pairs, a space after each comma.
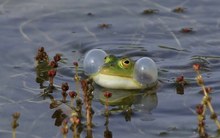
{"points": [[125, 62]]}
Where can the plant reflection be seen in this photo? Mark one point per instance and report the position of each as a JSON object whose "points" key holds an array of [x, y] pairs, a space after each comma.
{"points": [[180, 83], [107, 132], [42, 73], [179, 89]]}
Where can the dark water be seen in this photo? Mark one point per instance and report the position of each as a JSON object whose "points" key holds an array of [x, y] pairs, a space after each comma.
{"points": [[65, 27]]}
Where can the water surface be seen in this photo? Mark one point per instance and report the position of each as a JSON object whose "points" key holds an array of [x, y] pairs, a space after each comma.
{"points": [[66, 27]]}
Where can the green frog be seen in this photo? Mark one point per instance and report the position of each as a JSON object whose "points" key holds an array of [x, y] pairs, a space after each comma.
{"points": [[121, 72]]}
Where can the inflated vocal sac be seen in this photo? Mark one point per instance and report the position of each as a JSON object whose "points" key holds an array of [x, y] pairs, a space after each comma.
{"points": [[145, 71], [93, 61]]}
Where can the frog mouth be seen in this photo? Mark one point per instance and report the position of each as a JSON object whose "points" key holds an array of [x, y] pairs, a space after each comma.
{"points": [[116, 82]]}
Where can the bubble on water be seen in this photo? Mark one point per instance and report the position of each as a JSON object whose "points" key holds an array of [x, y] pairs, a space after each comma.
{"points": [[93, 60], [145, 71]]}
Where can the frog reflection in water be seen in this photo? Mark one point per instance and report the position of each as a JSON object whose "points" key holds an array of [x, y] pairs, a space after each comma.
{"points": [[112, 72]]}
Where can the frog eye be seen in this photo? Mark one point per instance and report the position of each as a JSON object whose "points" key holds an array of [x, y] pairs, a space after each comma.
{"points": [[125, 62], [93, 61]]}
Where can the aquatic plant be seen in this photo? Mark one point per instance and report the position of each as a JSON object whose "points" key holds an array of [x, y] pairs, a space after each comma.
{"points": [[150, 11], [180, 83], [57, 57], [88, 88], [53, 64], [75, 123], [79, 102], [41, 56], [90, 14], [14, 123], [41, 66], [179, 10], [78, 107], [104, 26], [76, 78], [186, 30], [64, 128], [107, 132], [72, 95], [44, 68], [65, 88], [107, 95], [51, 74], [205, 103]]}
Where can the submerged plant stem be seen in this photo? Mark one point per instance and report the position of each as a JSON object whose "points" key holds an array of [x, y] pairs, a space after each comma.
{"points": [[89, 117], [106, 105], [75, 131], [51, 81], [71, 102], [217, 123], [77, 81], [88, 96], [13, 133], [14, 123], [201, 131]]}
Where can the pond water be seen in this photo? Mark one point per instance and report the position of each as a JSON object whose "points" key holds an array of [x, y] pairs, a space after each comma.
{"points": [[72, 27]]}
